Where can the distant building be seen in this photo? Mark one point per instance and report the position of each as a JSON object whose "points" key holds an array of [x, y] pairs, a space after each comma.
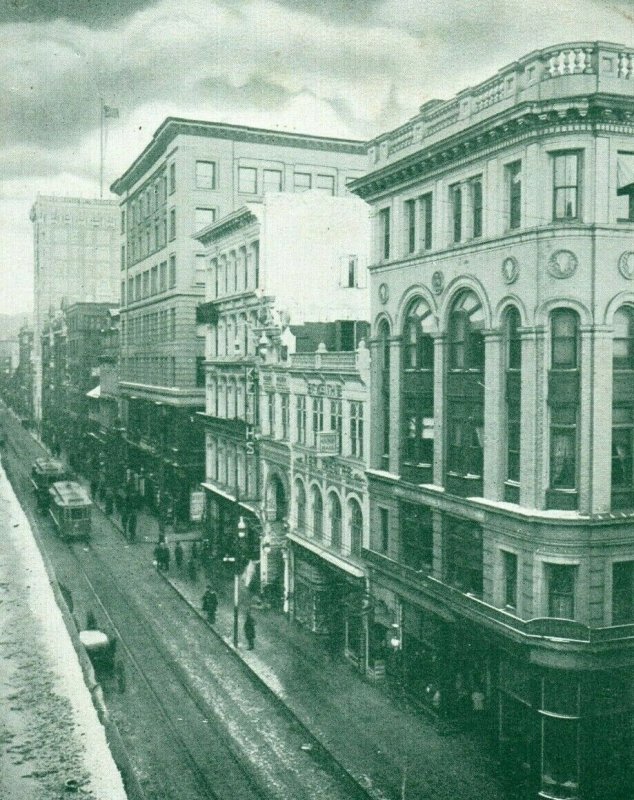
{"points": [[191, 175], [501, 474], [76, 252], [284, 276]]}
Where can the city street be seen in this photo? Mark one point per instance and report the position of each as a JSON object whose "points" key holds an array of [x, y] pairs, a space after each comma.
{"points": [[194, 723]]}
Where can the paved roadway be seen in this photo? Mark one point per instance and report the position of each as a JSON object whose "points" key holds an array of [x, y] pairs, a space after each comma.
{"points": [[194, 722]]}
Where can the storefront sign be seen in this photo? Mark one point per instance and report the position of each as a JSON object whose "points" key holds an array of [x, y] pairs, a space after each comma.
{"points": [[196, 506], [324, 389]]}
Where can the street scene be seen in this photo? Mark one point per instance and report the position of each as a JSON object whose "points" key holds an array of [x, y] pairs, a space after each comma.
{"points": [[317, 401]]}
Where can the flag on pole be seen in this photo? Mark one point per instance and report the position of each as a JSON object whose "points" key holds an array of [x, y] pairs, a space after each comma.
{"points": [[109, 112]]}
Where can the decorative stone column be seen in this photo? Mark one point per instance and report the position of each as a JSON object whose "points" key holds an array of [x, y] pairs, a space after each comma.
{"points": [[440, 355], [376, 416], [395, 404], [494, 416]]}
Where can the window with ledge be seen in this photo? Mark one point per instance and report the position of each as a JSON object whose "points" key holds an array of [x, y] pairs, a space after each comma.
{"points": [[172, 271], [336, 420], [509, 577], [425, 217], [416, 537], [514, 183], [384, 391], [563, 402], [247, 180], [325, 184], [513, 357], [356, 428], [455, 195], [560, 586], [302, 181], [172, 173], [205, 175], [622, 472], [285, 416], [475, 188], [301, 418], [462, 555], [384, 234], [318, 418], [465, 396], [622, 592], [172, 224], [272, 180], [418, 394], [384, 530], [566, 185], [625, 186]]}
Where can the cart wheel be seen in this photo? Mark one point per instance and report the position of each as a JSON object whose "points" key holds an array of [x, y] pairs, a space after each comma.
{"points": [[119, 671]]}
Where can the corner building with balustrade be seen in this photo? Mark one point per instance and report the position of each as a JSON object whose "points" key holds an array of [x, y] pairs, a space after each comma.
{"points": [[501, 474]]}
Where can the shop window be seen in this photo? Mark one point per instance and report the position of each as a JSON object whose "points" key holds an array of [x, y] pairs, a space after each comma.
{"points": [[462, 555], [622, 592], [560, 583], [560, 768], [416, 537], [563, 400], [418, 394], [625, 186], [566, 180], [465, 396]]}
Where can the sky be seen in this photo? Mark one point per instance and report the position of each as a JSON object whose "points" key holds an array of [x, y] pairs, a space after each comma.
{"points": [[351, 68]]}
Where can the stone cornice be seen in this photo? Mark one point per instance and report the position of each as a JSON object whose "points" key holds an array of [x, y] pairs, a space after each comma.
{"points": [[534, 119], [241, 218]]}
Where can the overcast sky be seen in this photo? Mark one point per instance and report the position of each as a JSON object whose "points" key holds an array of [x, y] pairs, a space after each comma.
{"points": [[335, 67]]}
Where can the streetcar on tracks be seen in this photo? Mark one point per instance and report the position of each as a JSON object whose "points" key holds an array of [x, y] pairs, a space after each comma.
{"points": [[71, 509], [44, 473]]}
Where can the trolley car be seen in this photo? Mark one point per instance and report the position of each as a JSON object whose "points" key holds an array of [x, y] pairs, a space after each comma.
{"points": [[44, 473], [70, 507]]}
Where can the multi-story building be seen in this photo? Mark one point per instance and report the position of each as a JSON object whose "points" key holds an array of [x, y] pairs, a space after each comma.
{"points": [[76, 251], [191, 174], [501, 478], [21, 392], [283, 276]]}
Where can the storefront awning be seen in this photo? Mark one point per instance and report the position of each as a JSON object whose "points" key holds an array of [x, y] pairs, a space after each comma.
{"points": [[331, 558], [95, 393], [231, 497]]}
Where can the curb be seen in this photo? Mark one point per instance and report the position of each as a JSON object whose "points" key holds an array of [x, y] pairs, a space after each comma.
{"points": [[359, 782]]}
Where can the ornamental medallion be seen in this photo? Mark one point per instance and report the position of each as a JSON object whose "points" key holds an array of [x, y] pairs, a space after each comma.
{"points": [[437, 282], [626, 264], [562, 264], [510, 270], [384, 293]]}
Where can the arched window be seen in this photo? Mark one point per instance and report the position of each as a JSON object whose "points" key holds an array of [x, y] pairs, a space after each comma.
{"points": [[318, 514], [355, 516], [465, 396], [563, 401], [384, 391], [300, 502], [417, 381], [623, 409], [513, 364], [335, 520]]}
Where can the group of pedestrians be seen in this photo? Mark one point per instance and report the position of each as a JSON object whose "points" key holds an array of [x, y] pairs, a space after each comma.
{"points": [[210, 607]]}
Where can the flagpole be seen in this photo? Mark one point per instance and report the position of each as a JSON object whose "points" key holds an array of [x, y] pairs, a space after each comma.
{"points": [[101, 148]]}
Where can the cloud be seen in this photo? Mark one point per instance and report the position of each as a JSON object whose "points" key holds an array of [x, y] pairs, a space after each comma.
{"points": [[92, 13]]}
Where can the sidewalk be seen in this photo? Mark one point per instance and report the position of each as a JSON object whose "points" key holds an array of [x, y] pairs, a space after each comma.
{"points": [[396, 754]]}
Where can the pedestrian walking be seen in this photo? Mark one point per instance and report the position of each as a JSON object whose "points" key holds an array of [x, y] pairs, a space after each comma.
{"points": [[178, 555], [125, 516], [166, 555], [158, 556], [210, 605], [249, 630], [132, 526], [192, 569]]}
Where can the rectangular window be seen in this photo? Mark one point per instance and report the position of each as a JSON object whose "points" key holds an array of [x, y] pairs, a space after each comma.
{"points": [[172, 271], [560, 580], [203, 217], [384, 530], [122, 293], [463, 557], [416, 537], [356, 428], [146, 283], [456, 210], [318, 418], [154, 280], [514, 182], [410, 226], [172, 223], [302, 181], [476, 207], [270, 402], [336, 420], [301, 419], [625, 187], [205, 175], [172, 177], [172, 324], [130, 290], [325, 184], [426, 221], [123, 222], [272, 180], [622, 592], [563, 447], [285, 416], [509, 564], [352, 277], [163, 277], [566, 185], [247, 180], [384, 234]]}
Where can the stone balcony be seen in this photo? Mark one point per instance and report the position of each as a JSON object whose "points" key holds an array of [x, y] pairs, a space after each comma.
{"points": [[574, 69]]}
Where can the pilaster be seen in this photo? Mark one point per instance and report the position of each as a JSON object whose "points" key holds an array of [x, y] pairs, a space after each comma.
{"points": [[533, 435], [599, 415], [395, 404], [494, 416], [440, 354]]}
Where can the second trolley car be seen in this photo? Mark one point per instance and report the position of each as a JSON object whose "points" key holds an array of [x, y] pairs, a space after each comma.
{"points": [[44, 473], [71, 510]]}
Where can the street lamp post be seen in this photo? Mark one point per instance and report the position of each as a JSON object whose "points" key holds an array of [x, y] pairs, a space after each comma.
{"points": [[236, 558]]}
